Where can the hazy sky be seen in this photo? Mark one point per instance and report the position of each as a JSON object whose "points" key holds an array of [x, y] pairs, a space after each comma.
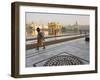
{"points": [[64, 19]]}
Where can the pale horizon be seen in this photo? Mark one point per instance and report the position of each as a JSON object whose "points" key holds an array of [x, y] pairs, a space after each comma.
{"points": [[63, 19]]}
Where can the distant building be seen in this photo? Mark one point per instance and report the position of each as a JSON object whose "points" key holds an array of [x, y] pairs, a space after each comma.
{"points": [[54, 28], [73, 27], [31, 29], [76, 25], [84, 28]]}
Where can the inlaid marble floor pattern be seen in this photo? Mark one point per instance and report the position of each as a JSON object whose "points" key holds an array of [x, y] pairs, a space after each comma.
{"points": [[78, 48]]}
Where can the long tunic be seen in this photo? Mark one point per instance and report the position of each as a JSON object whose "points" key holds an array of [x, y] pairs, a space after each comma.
{"points": [[40, 39]]}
